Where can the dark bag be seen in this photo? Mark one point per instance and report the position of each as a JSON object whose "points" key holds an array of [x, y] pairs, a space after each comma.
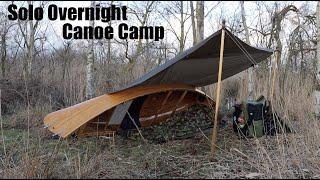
{"points": [[253, 112], [259, 119]]}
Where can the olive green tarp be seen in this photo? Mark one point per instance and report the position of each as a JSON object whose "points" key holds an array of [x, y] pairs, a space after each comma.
{"points": [[198, 66]]}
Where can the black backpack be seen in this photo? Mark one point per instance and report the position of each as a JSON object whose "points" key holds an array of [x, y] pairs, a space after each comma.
{"points": [[259, 119]]}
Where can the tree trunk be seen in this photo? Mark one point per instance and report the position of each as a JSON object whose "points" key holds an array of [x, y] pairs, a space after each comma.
{"points": [[200, 21], [30, 49], [318, 40], [276, 26], [275, 34], [181, 28], [194, 32], [244, 22], [250, 70], [3, 54], [317, 91], [109, 40], [90, 56], [200, 25], [291, 63]]}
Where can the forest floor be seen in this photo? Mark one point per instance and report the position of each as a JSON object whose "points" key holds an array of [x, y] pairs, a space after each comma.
{"points": [[34, 154]]}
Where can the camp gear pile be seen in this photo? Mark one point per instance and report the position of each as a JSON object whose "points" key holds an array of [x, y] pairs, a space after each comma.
{"points": [[255, 119]]}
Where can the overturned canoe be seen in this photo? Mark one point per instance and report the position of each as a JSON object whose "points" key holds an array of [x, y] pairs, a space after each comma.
{"points": [[160, 93], [145, 105]]}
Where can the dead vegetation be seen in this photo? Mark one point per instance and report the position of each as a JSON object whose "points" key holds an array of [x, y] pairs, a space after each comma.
{"points": [[30, 151], [58, 80], [129, 158]]}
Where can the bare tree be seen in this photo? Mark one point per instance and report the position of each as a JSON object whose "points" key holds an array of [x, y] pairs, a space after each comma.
{"points": [[193, 23], [173, 9], [90, 60], [200, 21], [250, 70], [5, 26], [244, 22], [318, 40], [317, 91], [142, 12], [3, 52], [277, 27], [98, 5], [109, 40], [143, 20], [29, 40], [182, 41]]}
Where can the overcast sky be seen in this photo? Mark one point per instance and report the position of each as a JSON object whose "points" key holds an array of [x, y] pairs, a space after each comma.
{"points": [[223, 10]]}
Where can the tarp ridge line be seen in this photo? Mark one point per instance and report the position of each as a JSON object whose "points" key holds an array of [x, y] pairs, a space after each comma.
{"points": [[245, 52], [243, 49]]}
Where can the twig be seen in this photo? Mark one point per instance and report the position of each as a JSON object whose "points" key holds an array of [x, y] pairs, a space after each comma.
{"points": [[136, 127], [240, 153], [245, 157], [204, 134]]}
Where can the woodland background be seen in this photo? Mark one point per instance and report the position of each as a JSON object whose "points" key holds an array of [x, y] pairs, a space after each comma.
{"points": [[41, 73]]}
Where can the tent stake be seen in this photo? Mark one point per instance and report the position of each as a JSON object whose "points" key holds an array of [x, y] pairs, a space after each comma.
{"points": [[215, 125]]}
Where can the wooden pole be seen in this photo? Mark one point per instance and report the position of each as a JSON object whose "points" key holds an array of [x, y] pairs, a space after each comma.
{"points": [[215, 125]]}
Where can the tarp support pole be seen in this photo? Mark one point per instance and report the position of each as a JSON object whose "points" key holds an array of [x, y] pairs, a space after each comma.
{"points": [[215, 125]]}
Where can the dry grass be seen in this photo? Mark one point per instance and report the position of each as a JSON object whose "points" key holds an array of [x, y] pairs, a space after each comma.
{"points": [[31, 153], [129, 158]]}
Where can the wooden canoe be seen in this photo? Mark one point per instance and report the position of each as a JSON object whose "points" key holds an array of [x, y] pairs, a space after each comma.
{"points": [[92, 117]]}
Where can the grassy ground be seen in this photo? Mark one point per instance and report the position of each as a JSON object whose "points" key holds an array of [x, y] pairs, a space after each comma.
{"points": [[36, 155], [29, 152]]}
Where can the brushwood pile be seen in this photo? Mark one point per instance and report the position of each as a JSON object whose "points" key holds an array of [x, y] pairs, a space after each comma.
{"points": [[182, 125]]}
